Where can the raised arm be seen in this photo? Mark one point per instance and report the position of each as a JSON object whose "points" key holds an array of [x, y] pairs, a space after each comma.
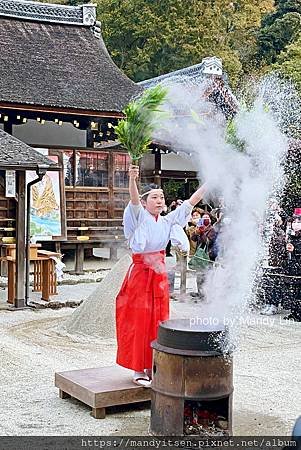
{"points": [[133, 189], [197, 195]]}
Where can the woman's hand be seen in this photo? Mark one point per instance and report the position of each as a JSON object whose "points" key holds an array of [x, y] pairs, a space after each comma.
{"points": [[290, 247], [133, 190], [198, 195], [133, 172]]}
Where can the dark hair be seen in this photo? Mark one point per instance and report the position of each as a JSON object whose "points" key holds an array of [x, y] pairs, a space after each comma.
{"points": [[148, 187], [198, 210], [211, 216]]}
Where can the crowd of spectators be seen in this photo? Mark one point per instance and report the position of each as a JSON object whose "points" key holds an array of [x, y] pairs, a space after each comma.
{"points": [[280, 284]]}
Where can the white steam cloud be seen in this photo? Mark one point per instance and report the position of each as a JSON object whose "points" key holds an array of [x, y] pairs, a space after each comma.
{"points": [[245, 179]]}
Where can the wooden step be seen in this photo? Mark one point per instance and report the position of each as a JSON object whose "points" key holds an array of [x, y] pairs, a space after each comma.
{"points": [[101, 387]]}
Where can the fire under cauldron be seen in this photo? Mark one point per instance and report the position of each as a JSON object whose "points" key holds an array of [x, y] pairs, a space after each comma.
{"points": [[192, 381]]}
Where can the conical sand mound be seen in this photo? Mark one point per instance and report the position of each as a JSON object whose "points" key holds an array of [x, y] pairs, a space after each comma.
{"points": [[96, 315]]}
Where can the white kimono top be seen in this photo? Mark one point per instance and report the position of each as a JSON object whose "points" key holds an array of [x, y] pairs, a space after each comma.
{"points": [[145, 234]]}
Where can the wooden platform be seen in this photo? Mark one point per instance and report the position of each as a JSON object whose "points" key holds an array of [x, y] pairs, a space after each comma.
{"points": [[101, 387]]}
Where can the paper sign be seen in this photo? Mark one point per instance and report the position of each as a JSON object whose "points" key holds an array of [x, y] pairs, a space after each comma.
{"points": [[10, 183]]}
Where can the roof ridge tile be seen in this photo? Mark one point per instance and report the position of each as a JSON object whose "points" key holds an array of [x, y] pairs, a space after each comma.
{"points": [[84, 15]]}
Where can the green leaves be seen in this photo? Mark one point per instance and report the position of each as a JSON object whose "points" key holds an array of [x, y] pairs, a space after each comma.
{"points": [[288, 63], [275, 37], [231, 136], [279, 29], [141, 119], [148, 38]]}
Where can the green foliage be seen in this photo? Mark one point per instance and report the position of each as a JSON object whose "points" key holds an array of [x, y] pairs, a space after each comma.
{"points": [[288, 63], [279, 29], [231, 136], [75, 2], [171, 188], [279, 44], [136, 130], [174, 189], [292, 192], [274, 38], [147, 38]]}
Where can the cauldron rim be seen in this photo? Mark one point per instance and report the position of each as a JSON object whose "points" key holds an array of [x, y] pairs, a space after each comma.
{"points": [[178, 334], [185, 325]]}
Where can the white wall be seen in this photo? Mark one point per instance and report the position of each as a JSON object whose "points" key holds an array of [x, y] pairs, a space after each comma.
{"points": [[148, 162], [33, 133], [172, 161]]}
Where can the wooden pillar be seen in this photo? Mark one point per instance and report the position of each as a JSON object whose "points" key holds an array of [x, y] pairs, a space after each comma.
{"points": [[111, 169], [186, 188], [19, 301], [89, 138], [183, 271], [45, 280], [3, 264], [57, 246], [157, 177], [113, 253], [8, 127], [79, 258]]}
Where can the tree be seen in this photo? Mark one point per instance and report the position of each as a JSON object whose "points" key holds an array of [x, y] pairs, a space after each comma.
{"points": [[147, 38], [288, 63], [75, 2], [279, 29]]}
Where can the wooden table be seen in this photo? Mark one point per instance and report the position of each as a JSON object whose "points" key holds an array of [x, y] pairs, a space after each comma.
{"points": [[80, 247], [10, 250], [44, 277]]}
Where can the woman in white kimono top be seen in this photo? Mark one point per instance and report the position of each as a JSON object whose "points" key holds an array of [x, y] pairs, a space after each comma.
{"points": [[143, 300]]}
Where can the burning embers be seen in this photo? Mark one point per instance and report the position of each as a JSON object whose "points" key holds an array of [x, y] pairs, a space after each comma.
{"points": [[203, 419], [192, 382]]}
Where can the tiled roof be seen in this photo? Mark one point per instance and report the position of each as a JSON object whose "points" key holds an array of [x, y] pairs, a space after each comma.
{"points": [[15, 154], [58, 64], [47, 12], [195, 71], [217, 88]]}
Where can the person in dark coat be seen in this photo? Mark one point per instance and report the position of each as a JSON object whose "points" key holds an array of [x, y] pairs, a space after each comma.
{"points": [[294, 266], [272, 283]]}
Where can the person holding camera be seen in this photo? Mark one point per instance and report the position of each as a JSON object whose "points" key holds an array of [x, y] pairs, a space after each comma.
{"points": [[204, 236], [191, 228]]}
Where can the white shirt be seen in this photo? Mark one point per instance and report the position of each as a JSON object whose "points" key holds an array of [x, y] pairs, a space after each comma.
{"points": [[145, 234], [179, 238]]}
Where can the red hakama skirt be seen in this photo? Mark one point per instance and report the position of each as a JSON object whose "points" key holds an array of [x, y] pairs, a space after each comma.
{"points": [[142, 303]]}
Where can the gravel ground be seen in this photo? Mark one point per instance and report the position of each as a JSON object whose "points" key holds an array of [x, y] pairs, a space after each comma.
{"points": [[267, 394], [96, 315]]}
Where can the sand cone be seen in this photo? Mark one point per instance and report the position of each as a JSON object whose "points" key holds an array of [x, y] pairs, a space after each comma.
{"points": [[96, 315]]}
